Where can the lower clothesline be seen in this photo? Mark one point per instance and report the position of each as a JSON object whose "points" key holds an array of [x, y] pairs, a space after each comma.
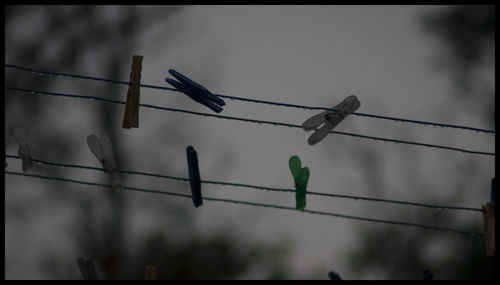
{"points": [[469, 234]]}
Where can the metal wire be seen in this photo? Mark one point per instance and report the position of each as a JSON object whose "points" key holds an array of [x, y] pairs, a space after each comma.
{"points": [[257, 187], [470, 234], [248, 120], [253, 100]]}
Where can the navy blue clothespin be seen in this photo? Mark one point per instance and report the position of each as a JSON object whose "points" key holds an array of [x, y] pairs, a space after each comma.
{"points": [[334, 276], [195, 91], [427, 275], [194, 176]]}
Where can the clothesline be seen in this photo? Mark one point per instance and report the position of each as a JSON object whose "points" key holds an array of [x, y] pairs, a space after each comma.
{"points": [[33, 92], [470, 234], [35, 71], [406, 203]]}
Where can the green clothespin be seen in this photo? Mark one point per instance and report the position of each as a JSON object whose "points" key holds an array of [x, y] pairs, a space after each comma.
{"points": [[300, 175]]}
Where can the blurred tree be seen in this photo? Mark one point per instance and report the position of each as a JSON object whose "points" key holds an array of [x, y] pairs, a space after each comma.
{"points": [[468, 36], [76, 39], [467, 33]]}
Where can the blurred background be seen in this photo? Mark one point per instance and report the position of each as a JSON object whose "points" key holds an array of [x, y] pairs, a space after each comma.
{"points": [[430, 63]]}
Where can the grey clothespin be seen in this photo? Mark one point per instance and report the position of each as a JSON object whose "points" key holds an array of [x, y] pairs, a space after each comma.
{"points": [[87, 268], [6, 144], [24, 151], [330, 118], [103, 151]]}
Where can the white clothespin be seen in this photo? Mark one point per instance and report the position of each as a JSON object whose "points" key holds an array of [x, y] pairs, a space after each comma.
{"points": [[6, 144], [103, 151], [24, 151], [87, 268], [330, 118]]}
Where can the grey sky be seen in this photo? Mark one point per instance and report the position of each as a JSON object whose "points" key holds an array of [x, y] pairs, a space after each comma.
{"points": [[307, 55]]}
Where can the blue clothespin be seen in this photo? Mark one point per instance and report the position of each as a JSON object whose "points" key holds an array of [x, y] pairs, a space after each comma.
{"points": [[427, 275], [194, 176], [334, 276], [195, 91]]}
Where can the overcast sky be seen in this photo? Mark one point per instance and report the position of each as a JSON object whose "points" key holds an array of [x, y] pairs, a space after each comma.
{"points": [[305, 55]]}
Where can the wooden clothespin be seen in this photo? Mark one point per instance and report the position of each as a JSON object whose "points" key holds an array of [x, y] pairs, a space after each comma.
{"points": [[489, 222], [131, 117], [150, 272], [87, 268]]}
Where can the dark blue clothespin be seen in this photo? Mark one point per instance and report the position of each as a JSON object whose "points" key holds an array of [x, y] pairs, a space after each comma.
{"points": [[195, 91], [334, 276], [194, 176], [427, 275]]}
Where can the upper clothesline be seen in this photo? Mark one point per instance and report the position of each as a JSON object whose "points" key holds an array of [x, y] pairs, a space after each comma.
{"points": [[254, 100]]}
